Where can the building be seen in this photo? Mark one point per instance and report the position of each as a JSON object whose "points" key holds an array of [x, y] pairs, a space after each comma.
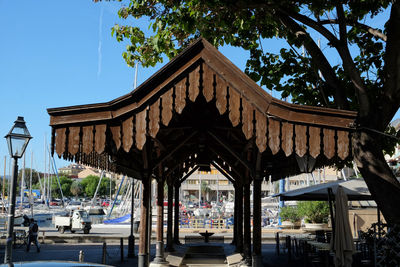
{"points": [[72, 170], [87, 172], [215, 187], [79, 171], [210, 186]]}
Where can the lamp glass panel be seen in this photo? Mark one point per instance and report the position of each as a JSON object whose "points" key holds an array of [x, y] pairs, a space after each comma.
{"points": [[9, 145], [20, 128], [18, 146]]}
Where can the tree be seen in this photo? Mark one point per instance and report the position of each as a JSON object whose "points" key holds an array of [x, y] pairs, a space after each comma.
{"points": [[290, 213], [35, 176], [5, 185], [205, 189], [314, 211], [76, 188], [104, 189], [65, 183], [89, 185], [366, 79]]}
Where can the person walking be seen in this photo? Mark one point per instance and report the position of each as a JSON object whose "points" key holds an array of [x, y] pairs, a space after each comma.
{"points": [[33, 235]]}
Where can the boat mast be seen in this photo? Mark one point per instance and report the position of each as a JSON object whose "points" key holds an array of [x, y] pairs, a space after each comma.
{"points": [[57, 176], [97, 188], [4, 184], [49, 179], [22, 183], [30, 186], [44, 196]]}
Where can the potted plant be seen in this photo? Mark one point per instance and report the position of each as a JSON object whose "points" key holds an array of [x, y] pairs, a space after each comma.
{"points": [[290, 217], [315, 213]]}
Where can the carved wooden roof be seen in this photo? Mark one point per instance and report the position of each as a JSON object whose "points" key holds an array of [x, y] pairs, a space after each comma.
{"points": [[199, 105]]}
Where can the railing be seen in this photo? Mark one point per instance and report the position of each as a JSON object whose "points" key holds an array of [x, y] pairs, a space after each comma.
{"points": [[206, 223]]}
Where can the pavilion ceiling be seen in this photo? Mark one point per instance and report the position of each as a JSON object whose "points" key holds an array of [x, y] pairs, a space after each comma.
{"points": [[200, 107]]}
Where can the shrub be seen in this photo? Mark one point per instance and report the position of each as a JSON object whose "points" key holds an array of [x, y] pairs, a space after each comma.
{"points": [[290, 214], [314, 211]]}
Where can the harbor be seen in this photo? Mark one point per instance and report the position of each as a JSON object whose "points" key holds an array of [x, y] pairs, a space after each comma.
{"points": [[200, 133]]}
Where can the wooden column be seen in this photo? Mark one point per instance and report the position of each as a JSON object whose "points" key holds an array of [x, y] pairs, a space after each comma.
{"points": [[131, 239], [159, 259], [239, 218], [257, 222], [144, 223], [235, 207], [170, 246], [246, 225], [176, 214]]}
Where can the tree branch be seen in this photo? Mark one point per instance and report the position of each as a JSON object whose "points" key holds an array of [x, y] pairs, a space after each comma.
{"points": [[392, 67], [342, 24], [349, 66], [318, 58], [373, 31], [313, 24]]}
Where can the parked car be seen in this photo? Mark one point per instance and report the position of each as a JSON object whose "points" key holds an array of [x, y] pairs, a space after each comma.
{"points": [[77, 220], [54, 203], [73, 205]]}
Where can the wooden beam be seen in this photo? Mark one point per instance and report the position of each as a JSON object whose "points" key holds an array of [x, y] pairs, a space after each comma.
{"points": [[179, 162], [231, 151], [238, 173], [169, 154], [129, 171], [223, 172], [189, 173]]}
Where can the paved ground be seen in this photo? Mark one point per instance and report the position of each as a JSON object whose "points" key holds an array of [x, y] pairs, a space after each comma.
{"points": [[93, 253], [67, 246]]}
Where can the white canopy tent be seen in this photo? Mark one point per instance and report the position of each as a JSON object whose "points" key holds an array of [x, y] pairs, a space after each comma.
{"points": [[355, 189]]}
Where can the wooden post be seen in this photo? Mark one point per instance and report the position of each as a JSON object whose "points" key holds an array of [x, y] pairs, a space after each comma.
{"points": [[239, 219], [257, 222], [176, 214], [43, 236], [81, 256], [246, 226], [103, 261], [169, 246], [235, 207], [159, 259], [289, 248], [121, 248], [144, 223], [131, 238], [277, 243], [330, 197]]}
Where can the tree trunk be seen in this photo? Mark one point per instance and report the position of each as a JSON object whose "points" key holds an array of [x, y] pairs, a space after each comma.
{"points": [[381, 182]]}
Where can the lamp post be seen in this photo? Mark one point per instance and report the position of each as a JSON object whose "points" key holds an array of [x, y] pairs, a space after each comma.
{"points": [[17, 139]]}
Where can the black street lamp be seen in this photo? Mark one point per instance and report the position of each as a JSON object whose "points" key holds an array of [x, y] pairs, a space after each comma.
{"points": [[17, 139]]}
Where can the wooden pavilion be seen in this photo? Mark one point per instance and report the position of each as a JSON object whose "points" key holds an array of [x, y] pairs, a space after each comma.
{"points": [[201, 110]]}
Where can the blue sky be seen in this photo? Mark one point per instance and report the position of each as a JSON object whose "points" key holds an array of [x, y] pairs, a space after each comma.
{"points": [[61, 53]]}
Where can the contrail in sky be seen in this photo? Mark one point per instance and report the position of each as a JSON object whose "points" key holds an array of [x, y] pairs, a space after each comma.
{"points": [[99, 48]]}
